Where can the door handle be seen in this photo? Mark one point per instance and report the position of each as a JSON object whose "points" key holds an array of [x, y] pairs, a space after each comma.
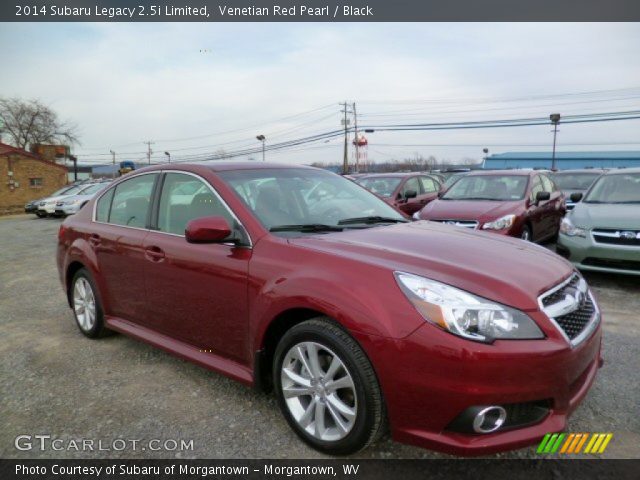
{"points": [[94, 240], [155, 254]]}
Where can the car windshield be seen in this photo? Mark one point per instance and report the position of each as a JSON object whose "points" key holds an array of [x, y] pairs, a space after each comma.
{"points": [[63, 190], [383, 186], [453, 179], [305, 200], [574, 181], [488, 187], [615, 188]]}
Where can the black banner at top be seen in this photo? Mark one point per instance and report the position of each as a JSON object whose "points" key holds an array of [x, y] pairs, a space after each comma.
{"points": [[319, 10]]}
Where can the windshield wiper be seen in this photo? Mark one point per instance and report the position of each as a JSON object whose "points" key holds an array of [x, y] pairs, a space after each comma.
{"points": [[371, 220], [306, 227]]}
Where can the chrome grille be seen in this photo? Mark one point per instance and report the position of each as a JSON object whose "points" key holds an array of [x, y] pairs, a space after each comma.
{"points": [[629, 238], [571, 307], [459, 223]]}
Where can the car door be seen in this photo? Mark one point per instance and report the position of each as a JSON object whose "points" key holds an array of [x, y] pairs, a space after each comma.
{"points": [[409, 205], [555, 208], [197, 293], [536, 210], [120, 226]]}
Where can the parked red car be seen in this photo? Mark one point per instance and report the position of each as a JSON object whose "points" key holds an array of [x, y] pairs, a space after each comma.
{"points": [[406, 192], [518, 203], [298, 280]]}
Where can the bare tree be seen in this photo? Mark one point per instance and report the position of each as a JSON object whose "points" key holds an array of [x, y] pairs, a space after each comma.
{"points": [[28, 122]]}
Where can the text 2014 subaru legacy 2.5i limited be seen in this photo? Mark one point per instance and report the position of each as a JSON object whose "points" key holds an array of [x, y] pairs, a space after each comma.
{"points": [[297, 280]]}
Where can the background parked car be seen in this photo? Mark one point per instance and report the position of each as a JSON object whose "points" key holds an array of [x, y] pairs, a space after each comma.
{"points": [[525, 204], [405, 191], [47, 206], [71, 204], [602, 232], [575, 181], [451, 179], [32, 206]]}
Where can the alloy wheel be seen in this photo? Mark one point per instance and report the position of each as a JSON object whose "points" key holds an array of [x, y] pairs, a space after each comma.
{"points": [[319, 391], [84, 304]]}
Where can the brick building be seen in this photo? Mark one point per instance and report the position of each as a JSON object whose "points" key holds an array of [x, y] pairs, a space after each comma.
{"points": [[25, 176]]}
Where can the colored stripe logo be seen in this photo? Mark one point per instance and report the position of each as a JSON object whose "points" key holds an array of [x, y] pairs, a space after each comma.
{"points": [[574, 443]]}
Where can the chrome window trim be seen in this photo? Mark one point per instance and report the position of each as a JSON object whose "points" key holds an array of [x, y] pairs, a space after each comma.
{"points": [[589, 327], [95, 204]]}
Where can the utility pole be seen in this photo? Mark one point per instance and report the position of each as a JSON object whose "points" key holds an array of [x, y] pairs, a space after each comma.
{"points": [[555, 119], [149, 151], [113, 157], [355, 140], [345, 160]]}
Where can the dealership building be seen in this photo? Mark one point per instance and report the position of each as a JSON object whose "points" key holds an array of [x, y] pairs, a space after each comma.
{"points": [[564, 160]]}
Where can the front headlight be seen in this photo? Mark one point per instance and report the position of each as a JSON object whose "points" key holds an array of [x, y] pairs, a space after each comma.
{"points": [[570, 230], [465, 314], [500, 224]]}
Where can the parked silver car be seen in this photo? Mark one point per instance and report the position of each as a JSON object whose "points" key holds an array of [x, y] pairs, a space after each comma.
{"points": [[71, 204]]}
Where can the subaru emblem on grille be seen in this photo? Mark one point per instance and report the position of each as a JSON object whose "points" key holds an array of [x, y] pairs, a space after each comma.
{"points": [[628, 235]]}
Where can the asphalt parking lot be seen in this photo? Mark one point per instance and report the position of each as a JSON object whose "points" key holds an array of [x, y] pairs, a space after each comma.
{"points": [[55, 381]]}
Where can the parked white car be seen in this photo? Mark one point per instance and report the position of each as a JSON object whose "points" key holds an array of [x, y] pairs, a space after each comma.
{"points": [[71, 204], [47, 206]]}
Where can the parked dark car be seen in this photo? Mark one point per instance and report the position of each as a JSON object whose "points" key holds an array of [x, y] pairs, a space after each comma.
{"points": [[575, 181], [459, 341], [408, 192], [519, 203]]}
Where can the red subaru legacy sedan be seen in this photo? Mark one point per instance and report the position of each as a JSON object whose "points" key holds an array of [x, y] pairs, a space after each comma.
{"points": [[408, 192], [358, 319], [519, 203]]}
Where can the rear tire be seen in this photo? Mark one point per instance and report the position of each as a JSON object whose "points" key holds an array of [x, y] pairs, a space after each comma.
{"points": [[86, 305], [327, 389]]}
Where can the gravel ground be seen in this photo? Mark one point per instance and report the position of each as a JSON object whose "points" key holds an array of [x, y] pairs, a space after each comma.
{"points": [[55, 381]]}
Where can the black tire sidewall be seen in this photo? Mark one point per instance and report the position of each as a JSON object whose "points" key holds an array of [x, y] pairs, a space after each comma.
{"points": [[358, 437], [98, 325]]}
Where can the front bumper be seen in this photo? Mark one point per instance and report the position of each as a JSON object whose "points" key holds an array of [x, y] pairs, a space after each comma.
{"points": [[65, 210], [586, 254], [432, 376]]}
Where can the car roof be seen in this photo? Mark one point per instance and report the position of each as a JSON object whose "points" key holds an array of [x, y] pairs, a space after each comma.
{"points": [[222, 166], [524, 173], [622, 171], [393, 174], [597, 171]]}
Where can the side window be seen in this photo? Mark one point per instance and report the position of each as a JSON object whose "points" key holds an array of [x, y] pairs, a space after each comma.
{"points": [[103, 206], [185, 197], [537, 187], [411, 184], [131, 201], [428, 185], [547, 184]]}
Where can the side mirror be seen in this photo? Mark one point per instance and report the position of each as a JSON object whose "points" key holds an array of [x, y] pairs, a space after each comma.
{"points": [[207, 230], [576, 197], [410, 194], [441, 193], [542, 196]]}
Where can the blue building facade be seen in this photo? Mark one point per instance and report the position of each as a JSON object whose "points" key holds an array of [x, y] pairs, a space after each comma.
{"points": [[564, 160]]}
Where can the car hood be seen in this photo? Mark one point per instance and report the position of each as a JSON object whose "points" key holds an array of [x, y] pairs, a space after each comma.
{"points": [[78, 197], [594, 215], [481, 210], [55, 199], [503, 269]]}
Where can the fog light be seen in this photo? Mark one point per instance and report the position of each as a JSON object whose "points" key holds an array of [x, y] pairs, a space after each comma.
{"points": [[489, 419]]}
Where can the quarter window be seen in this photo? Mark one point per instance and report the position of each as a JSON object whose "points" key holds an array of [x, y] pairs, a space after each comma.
{"points": [[184, 198], [131, 201]]}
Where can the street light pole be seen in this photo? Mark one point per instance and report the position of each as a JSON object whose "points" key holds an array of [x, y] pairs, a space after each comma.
{"points": [[262, 138], [486, 154], [555, 119], [168, 156], [113, 158]]}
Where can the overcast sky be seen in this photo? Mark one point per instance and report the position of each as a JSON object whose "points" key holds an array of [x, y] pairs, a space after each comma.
{"points": [[185, 85]]}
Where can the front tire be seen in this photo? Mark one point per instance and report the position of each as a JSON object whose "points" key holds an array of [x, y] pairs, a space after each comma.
{"points": [[86, 305], [327, 389]]}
